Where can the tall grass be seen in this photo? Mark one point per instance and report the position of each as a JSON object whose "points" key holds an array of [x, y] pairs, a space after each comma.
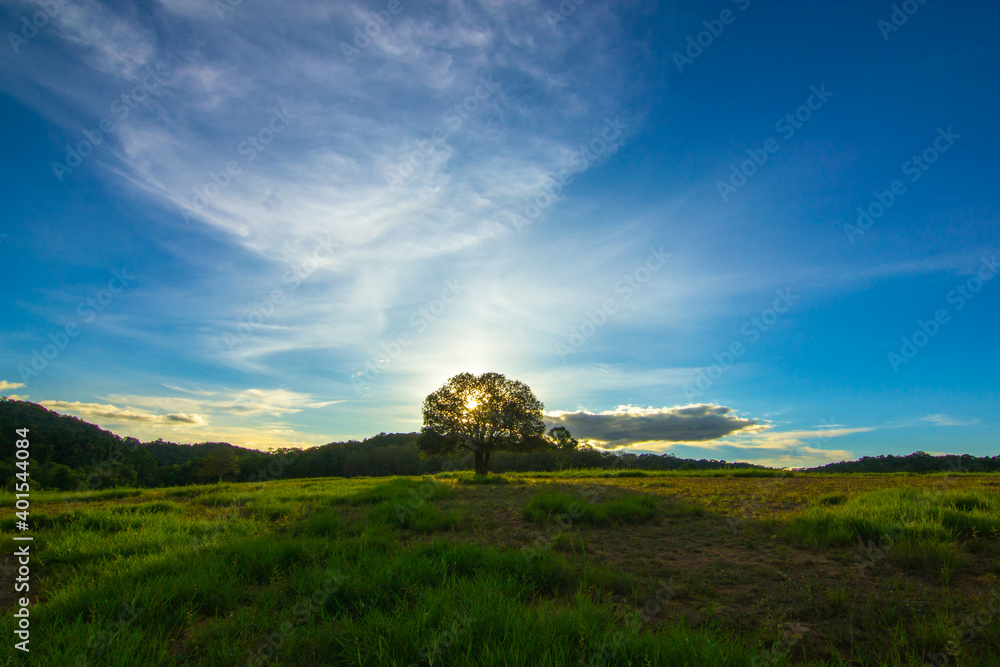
{"points": [[213, 578], [371, 571], [916, 528], [631, 509]]}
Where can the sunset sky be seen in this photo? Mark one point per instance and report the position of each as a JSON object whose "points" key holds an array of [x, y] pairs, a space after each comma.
{"points": [[736, 230]]}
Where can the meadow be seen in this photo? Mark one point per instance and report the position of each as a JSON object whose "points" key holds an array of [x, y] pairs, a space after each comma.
{"points": [[595, 567]]}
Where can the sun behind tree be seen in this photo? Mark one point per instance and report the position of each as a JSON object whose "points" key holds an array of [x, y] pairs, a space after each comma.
{"points": [[482, 414]]}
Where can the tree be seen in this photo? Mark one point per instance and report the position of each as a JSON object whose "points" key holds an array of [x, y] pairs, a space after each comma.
{"points": [[564, 443], [482, 414], [220, 462]]}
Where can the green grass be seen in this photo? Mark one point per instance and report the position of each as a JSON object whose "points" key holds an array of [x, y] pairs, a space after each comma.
{"points": [[917, 529], [424, 518], [370, 571], [972, 523], [399, 490], [894, 514], [831, 499], [180, 579], [546, 506], [622, 473], [482, 479]]}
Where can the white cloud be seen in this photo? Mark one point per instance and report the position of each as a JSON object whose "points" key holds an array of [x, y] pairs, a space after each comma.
{"points": [[246, 402], [243, 417], [115, 44], [323, 178], [760, 443], [795, 448], [945, 420], [4, 385], [112, 413]]}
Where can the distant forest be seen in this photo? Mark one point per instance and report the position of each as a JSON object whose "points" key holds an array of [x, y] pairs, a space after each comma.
{"points": [[70, 454]]}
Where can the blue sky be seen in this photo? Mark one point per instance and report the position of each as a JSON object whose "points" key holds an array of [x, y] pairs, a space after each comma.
{"points": [[253, 222]]}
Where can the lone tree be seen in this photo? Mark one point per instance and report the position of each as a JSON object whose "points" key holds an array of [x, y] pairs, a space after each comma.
{"points": [[482, 414]]}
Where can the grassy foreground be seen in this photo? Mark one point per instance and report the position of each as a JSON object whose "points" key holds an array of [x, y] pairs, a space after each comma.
{"points": [[583, 567]]}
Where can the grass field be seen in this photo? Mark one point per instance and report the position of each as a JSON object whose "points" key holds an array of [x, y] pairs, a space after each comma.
{"points": [[581, 567]]}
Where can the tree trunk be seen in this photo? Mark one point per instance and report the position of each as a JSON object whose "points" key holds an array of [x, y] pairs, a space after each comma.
{"points": [[479, 462], [486, 463]]}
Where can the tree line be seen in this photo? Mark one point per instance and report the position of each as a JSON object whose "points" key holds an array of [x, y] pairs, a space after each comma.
{"points": [[68, 454], [917, 462]]}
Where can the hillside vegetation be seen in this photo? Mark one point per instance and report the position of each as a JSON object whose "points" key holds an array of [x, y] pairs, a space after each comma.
{"points": [[72, 455]]}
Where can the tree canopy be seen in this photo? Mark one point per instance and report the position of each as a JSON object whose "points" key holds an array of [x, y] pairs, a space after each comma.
{"points": [[563, 442], [482, 414], [220, 462]]}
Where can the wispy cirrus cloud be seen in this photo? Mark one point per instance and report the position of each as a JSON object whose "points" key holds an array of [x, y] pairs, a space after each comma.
{"points": [[946, 420], [405, 168], [351, 124]]}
